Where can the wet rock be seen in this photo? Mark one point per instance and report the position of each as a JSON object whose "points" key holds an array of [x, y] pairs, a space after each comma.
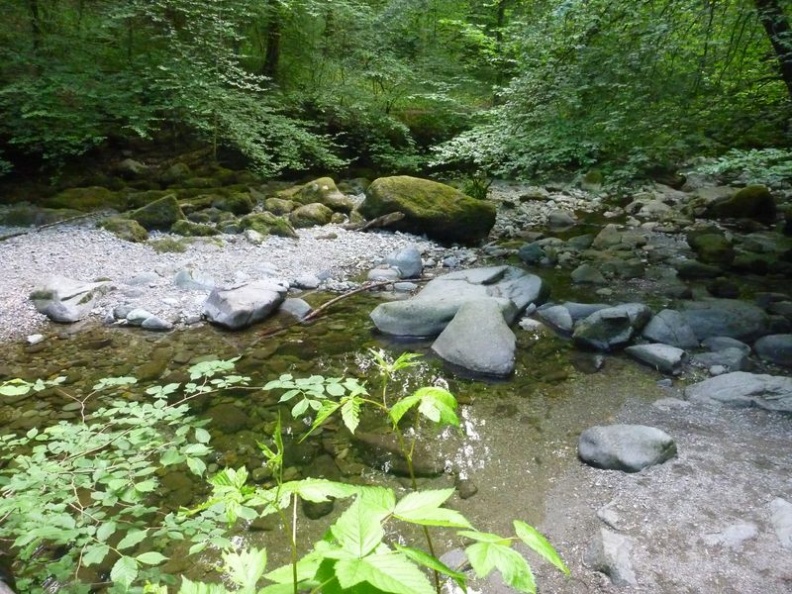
{"points": [[610, 553], [561, 219], [629, 448], [587, 274], [532, 253], [298, 308], [721, 343], [776, 348], [428, 313], [558, 317], [465, 488], [663, 357], [382, 451], [66, 300], [243, 305], [407, 261], [723, 288], [752, 202], [228, 418], [740, 389], [612, 237], [781, 519], [726, 317], [693, 269], [730, 359], [612, 327], [711, 246], [314, 510], [669, 327], [156, 323], [460, 343]]}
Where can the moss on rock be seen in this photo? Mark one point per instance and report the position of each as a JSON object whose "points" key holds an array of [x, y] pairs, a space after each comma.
{"points": [[711, 246], [267, 223], [28, 215], [88, 199], [239, 203], [279, 206], [440, 211], [752, 202], [126, 229], [160, 214], [190, 229], [310, 215]]}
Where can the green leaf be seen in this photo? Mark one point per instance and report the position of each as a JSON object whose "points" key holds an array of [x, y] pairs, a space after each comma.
{"points": [[95, 554], [433, 563], [170, 457], [105, 531], [423, 507], [538, 543], [151, 558], [388, 572], [319, 490], [438, 405], [146, 486], [299, 409], [202, 435], [350, 413], [124, 571], [246, 568], [326, 411], [486, 556], [196, 466], [15, 387], [132, 538], [358, 530], [401, 407]]}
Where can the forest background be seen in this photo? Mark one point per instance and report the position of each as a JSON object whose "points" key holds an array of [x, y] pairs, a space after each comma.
{"points": [[514, 88]]}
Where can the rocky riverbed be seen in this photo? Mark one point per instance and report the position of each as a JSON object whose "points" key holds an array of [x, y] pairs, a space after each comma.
{"points": [[715, 518]]}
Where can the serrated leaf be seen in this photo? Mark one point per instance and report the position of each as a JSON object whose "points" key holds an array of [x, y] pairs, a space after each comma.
{"points": [[423, 507], [327, 409], [388, 572], [300, 408], [105, 531], [401, 407], [358, 530], [539, 544], [433, 563], [132, 538], [196, 466], [151, 558], [335, 389], [246, 568], [170, 457], [350, 414], [486, 556], [319, 490], [95, 554], [124, 571]]}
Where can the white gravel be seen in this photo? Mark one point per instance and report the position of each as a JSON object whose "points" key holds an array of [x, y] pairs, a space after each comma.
{"points": [[85, 253]]}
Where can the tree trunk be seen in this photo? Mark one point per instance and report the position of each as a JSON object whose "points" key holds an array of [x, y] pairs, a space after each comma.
{"points": [[776, 25], [272, 50]]}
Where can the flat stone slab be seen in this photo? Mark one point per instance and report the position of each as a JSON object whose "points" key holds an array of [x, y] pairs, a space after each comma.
{"points": [[611, 554], [428, 313], [663, 357], [66, 300], [478, 339], [243, 305], [741, 389], [629, 448]]}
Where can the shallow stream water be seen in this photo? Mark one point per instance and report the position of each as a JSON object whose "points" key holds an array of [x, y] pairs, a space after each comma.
{"points": [[519, 437]]}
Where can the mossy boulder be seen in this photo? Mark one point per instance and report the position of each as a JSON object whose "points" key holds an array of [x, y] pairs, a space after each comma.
{"points": [[711, 246], [28, 215], [88, 199], [440, 211], [191, 229], [267, 223], [175, 174], [310, 215], [138, 199], [279, 206], [126, 229], [323, 191], [160, 214], [752, 202], [239, 203]]}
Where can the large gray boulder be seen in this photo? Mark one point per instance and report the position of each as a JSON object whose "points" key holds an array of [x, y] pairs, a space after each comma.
{"points": [[630, 448], [613, 327], [726, 317], [243, 305], [434, 307], [669, 327], [776, 348], [437, 210], [66, 300], [407, 261], [741, 389], [478, 339]]}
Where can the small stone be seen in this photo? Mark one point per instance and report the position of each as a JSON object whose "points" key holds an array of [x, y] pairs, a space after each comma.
{"points": [[781, 518], [137, 316], [34, 339], [156, 323]]}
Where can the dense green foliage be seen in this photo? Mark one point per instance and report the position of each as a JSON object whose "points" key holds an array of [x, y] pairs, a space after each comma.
{"points": [[507, 86], [82, 494]]}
